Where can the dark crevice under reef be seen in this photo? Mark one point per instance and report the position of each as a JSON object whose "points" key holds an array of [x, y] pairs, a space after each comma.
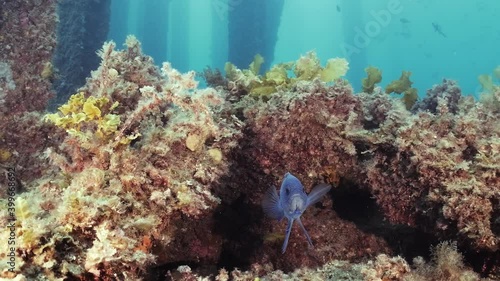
{"points": [[354, 204]]}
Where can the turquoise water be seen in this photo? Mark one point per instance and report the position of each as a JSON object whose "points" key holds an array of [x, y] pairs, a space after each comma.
{"points": [[432, 39]]}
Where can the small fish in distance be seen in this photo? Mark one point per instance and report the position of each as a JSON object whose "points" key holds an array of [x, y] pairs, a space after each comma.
{"points": [[291, 203], [437, 28]]}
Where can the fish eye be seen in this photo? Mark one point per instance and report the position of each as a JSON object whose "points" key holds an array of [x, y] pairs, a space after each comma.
{"points": [[287, 191]]}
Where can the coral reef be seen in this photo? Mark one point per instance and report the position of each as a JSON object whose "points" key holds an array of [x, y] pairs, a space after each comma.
{"points": [[446, 265], [433, 171], [147, 174], [141, 148], [448, 90], [27, 41]]}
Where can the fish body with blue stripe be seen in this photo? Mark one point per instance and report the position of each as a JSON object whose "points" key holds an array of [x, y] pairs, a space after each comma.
{"points": [[291, 203]]}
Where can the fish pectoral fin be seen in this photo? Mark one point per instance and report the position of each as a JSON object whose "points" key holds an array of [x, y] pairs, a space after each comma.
{"points": [[317, 193], [271, 205]]}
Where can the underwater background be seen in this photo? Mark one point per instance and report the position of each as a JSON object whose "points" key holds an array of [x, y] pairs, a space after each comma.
{"points": [[391, 35], [249, 140]]}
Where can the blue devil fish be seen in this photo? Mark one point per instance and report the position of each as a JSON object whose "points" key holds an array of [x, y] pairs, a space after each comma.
{"points": [[291, 203]]}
